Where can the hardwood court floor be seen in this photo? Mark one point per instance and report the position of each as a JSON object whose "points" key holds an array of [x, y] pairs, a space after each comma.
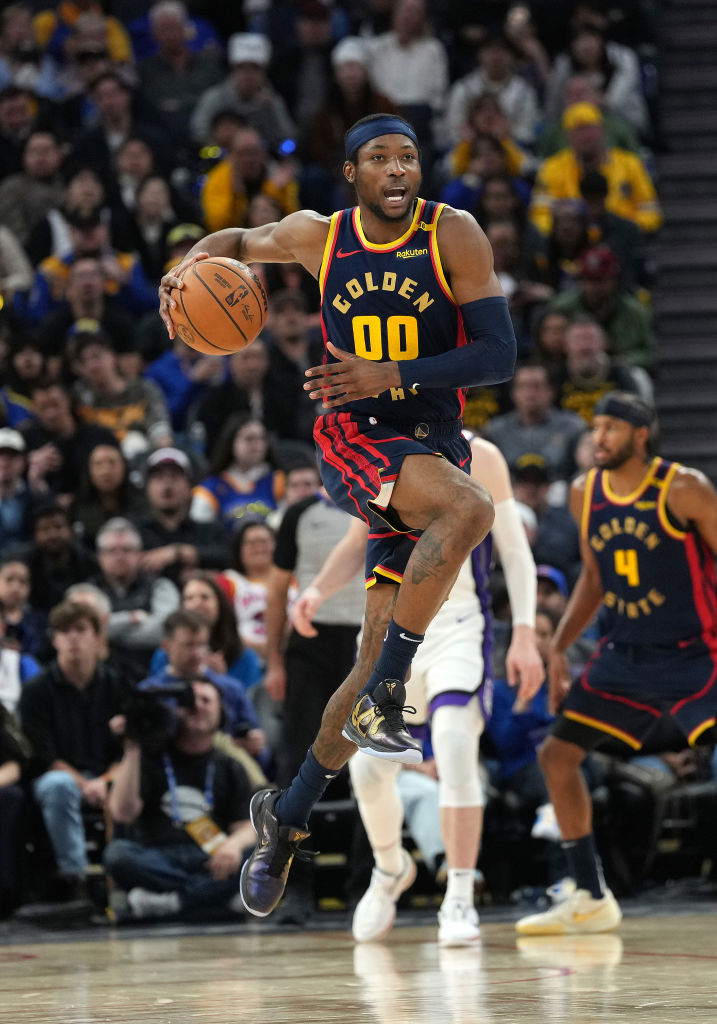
{"points": [[660, 969]]}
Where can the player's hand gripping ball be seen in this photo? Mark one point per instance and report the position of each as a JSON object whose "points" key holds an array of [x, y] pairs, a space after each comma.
{"points": [[221, 307]]}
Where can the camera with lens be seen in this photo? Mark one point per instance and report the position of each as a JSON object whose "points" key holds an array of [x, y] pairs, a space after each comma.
{"points": [[152, 718]]}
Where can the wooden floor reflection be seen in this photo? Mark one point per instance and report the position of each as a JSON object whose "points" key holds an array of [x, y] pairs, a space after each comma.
{"points": [[661, 969]]}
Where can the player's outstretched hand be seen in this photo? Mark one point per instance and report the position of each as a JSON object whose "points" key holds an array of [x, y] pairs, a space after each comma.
{"points": [[173, 279], [559, 676], [350, 379]]}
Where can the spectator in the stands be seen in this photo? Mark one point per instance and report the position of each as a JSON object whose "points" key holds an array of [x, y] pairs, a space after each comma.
{"points": [[54, 27], [242, 480], [184, 376], [134, 410], [58, 444], [22, 62], [84, 191], [65, 713], [590, 373], [16, 273], [631, 192], [302, 69], [536, 425], [495, 73], [621, 235], [140, 600], [174, 76], [253, 547], [16, 667], [173, 543], [105, 491], [15, 608], [549, 341], [26, 197], [581, 89], [55, 557], [557, 541], [248, 91], [293, 348], [485, 116], [27, 366], [15, 496], [18, 116], [486, 159], [246, 171], [598, 295]]}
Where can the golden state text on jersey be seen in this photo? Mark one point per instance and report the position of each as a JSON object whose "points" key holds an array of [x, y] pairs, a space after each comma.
{"points": [[391, 302], [658, 577]]}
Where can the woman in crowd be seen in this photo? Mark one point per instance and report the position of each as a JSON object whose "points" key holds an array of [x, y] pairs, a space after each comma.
{"points": [[252, 560], [107, 491]]}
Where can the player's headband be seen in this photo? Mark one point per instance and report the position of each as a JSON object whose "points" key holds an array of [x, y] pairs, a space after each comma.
{"points": [[612, 405], [386, 125]]}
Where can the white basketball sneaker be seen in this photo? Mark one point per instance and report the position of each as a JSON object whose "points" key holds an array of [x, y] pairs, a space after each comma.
{"points": [[577, 914], [146, 903], [376, 910], [457, 924]]}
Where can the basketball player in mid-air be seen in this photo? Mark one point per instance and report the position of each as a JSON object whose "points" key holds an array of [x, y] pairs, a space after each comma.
{"points": [[412, 312], [649, 538]]}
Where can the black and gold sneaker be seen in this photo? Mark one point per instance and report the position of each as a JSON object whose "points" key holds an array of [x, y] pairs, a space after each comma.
{"points": [[264, 875], [377, 727]]}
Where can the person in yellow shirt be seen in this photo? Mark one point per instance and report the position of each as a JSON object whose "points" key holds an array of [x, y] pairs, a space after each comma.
{"points": [[234, 181], [631, 193], [54, 26]]}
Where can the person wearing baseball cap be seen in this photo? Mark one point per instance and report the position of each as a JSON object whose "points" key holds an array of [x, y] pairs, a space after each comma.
{"points": [[171, 541], [15, 495]]}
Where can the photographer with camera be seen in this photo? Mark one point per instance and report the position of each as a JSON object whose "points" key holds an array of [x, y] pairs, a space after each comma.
{"points": [[186, 805]]}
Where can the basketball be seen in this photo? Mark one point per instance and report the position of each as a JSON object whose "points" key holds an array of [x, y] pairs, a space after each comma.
{"points": [[221, 308]]}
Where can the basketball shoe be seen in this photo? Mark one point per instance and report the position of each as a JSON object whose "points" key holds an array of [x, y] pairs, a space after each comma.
{"points": [[263, 877], [579, 913], [376, 910], [376, 724], [457, 924]]}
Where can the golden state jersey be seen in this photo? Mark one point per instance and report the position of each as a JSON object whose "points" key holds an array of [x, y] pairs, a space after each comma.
{"points": [[658, 579], [391, 302]]}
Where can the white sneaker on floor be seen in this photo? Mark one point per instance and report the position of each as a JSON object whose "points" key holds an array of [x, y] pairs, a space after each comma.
{"points": [[578, 914], [546, 825], [145, 903], [376, 910], [457, 924]]}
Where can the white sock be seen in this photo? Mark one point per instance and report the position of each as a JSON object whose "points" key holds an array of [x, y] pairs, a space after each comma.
{"points": [[460, 885]]}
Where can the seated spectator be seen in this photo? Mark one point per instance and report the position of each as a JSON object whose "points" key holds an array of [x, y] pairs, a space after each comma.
{"points": [[202, 593], [112, 656], [16, 499], [56, 560], [124, 278], [22, 62], [164, 868], [149, 225], [631, 193], [499, 198], [176, 73], [105, 491], [16, 273], [252, 559], [246, 171], [581, 89], [495, 73], [140, 601], [248, 91], [242, 481], [18, 117], [486, 159], [84, 191], [598, 296], [612, 68], [549, 341], [134, 410], [14, 755], [24, 625], [619, 234], [554, 260], [557, 541], [65, 713], [53, 27], [485, 116], [16, 668], [184, 376], [58, 444], [27, 366], [302, 481], [302, 67], [536, 425], [26, 197], [186, 643], [589, 372], [173, 542]]}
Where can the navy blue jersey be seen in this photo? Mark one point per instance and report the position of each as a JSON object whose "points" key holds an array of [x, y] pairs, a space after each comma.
{"points": [[391, 302], [658, 579]]}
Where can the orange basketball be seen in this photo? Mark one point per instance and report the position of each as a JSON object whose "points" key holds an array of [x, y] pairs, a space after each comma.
{"points": [[221, 307]]}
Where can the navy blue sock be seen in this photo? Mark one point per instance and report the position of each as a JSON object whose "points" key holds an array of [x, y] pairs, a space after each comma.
{"points": [[396, 656], [294, 806], [584, 864]]}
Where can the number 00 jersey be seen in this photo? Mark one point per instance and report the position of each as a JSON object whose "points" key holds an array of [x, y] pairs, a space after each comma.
{"points": [[391, 302], [658, 579]]}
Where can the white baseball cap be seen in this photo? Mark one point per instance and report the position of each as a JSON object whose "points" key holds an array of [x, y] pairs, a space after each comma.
{"points": [[11, 440], [249, 48]]}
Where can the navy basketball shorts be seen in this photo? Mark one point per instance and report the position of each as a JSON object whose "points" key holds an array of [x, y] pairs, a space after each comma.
{"points": [[625, 690], [360, 459]]}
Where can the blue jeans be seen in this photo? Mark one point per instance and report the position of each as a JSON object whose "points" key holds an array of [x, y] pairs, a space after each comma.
{"points": [[180, 868], [60, 801], [419, 796]]}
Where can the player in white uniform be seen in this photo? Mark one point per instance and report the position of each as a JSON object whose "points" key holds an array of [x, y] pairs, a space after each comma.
{"points": [[450, 685]]}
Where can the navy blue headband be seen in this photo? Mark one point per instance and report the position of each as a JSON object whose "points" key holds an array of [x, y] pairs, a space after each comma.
{"points": [[386, 125], [611, 405]]}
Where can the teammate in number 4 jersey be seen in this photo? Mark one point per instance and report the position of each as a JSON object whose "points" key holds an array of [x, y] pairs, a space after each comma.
{"points": [[412, 313], [648, 539]]}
